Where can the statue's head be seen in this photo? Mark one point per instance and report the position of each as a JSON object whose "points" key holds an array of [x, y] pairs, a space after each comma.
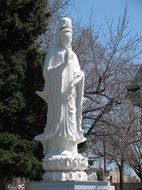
{"points": [[64, 32]]}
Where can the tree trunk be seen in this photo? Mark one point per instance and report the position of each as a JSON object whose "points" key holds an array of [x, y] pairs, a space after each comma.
{"points": [[139, 174], [121, 172]]}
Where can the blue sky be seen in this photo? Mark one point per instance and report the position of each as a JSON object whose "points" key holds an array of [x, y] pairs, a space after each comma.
{"points": [[112, 9]]}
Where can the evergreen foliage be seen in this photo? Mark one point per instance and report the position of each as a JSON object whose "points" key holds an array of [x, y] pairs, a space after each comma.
{"points": [[18, 158], [100, 174], [22, 112]]}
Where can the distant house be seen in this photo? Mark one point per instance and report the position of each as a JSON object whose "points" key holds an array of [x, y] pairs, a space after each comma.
{"points": [[135, 89], [127, 178]]}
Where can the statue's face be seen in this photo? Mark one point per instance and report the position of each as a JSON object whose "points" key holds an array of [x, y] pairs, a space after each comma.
{"points": [[66, 37]]}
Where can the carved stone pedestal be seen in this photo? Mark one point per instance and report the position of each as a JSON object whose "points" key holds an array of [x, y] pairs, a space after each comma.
{"points": [[68, 185], [65, 176], [65, 168], [65, 162]]}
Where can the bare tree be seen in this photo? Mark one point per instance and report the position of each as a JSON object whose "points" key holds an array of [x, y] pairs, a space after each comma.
{"points": [[119, 136], [134, 156], [108, 67]]}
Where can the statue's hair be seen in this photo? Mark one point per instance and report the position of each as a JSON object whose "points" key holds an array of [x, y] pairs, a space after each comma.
{"points": [[64, 25]]}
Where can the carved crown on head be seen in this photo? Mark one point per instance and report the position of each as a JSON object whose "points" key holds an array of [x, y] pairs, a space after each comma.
{"points": [[65, 24]]}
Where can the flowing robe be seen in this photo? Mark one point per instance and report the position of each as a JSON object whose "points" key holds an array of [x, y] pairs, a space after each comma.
{"points": [[63, 90]]}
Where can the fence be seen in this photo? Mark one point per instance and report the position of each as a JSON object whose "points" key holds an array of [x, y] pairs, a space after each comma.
{"points": [[129, 186]]}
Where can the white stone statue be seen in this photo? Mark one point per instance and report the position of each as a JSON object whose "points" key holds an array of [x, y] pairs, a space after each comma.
{"points": [[63, 91]]}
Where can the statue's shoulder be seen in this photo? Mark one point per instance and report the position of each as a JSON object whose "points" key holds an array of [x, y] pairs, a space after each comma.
{"points": [[52, 50]]}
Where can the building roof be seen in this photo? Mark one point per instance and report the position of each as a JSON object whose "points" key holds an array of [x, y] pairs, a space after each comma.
{"points": [[134, 89], [137, 79]]}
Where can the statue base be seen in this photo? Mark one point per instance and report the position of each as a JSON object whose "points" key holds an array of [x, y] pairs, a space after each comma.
{"points": [[65, 168], [69, 186], [65, 176], [65, 162]]}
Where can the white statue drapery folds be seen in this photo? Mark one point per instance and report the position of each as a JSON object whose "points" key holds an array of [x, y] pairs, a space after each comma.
{"points": [[63, 91]]}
